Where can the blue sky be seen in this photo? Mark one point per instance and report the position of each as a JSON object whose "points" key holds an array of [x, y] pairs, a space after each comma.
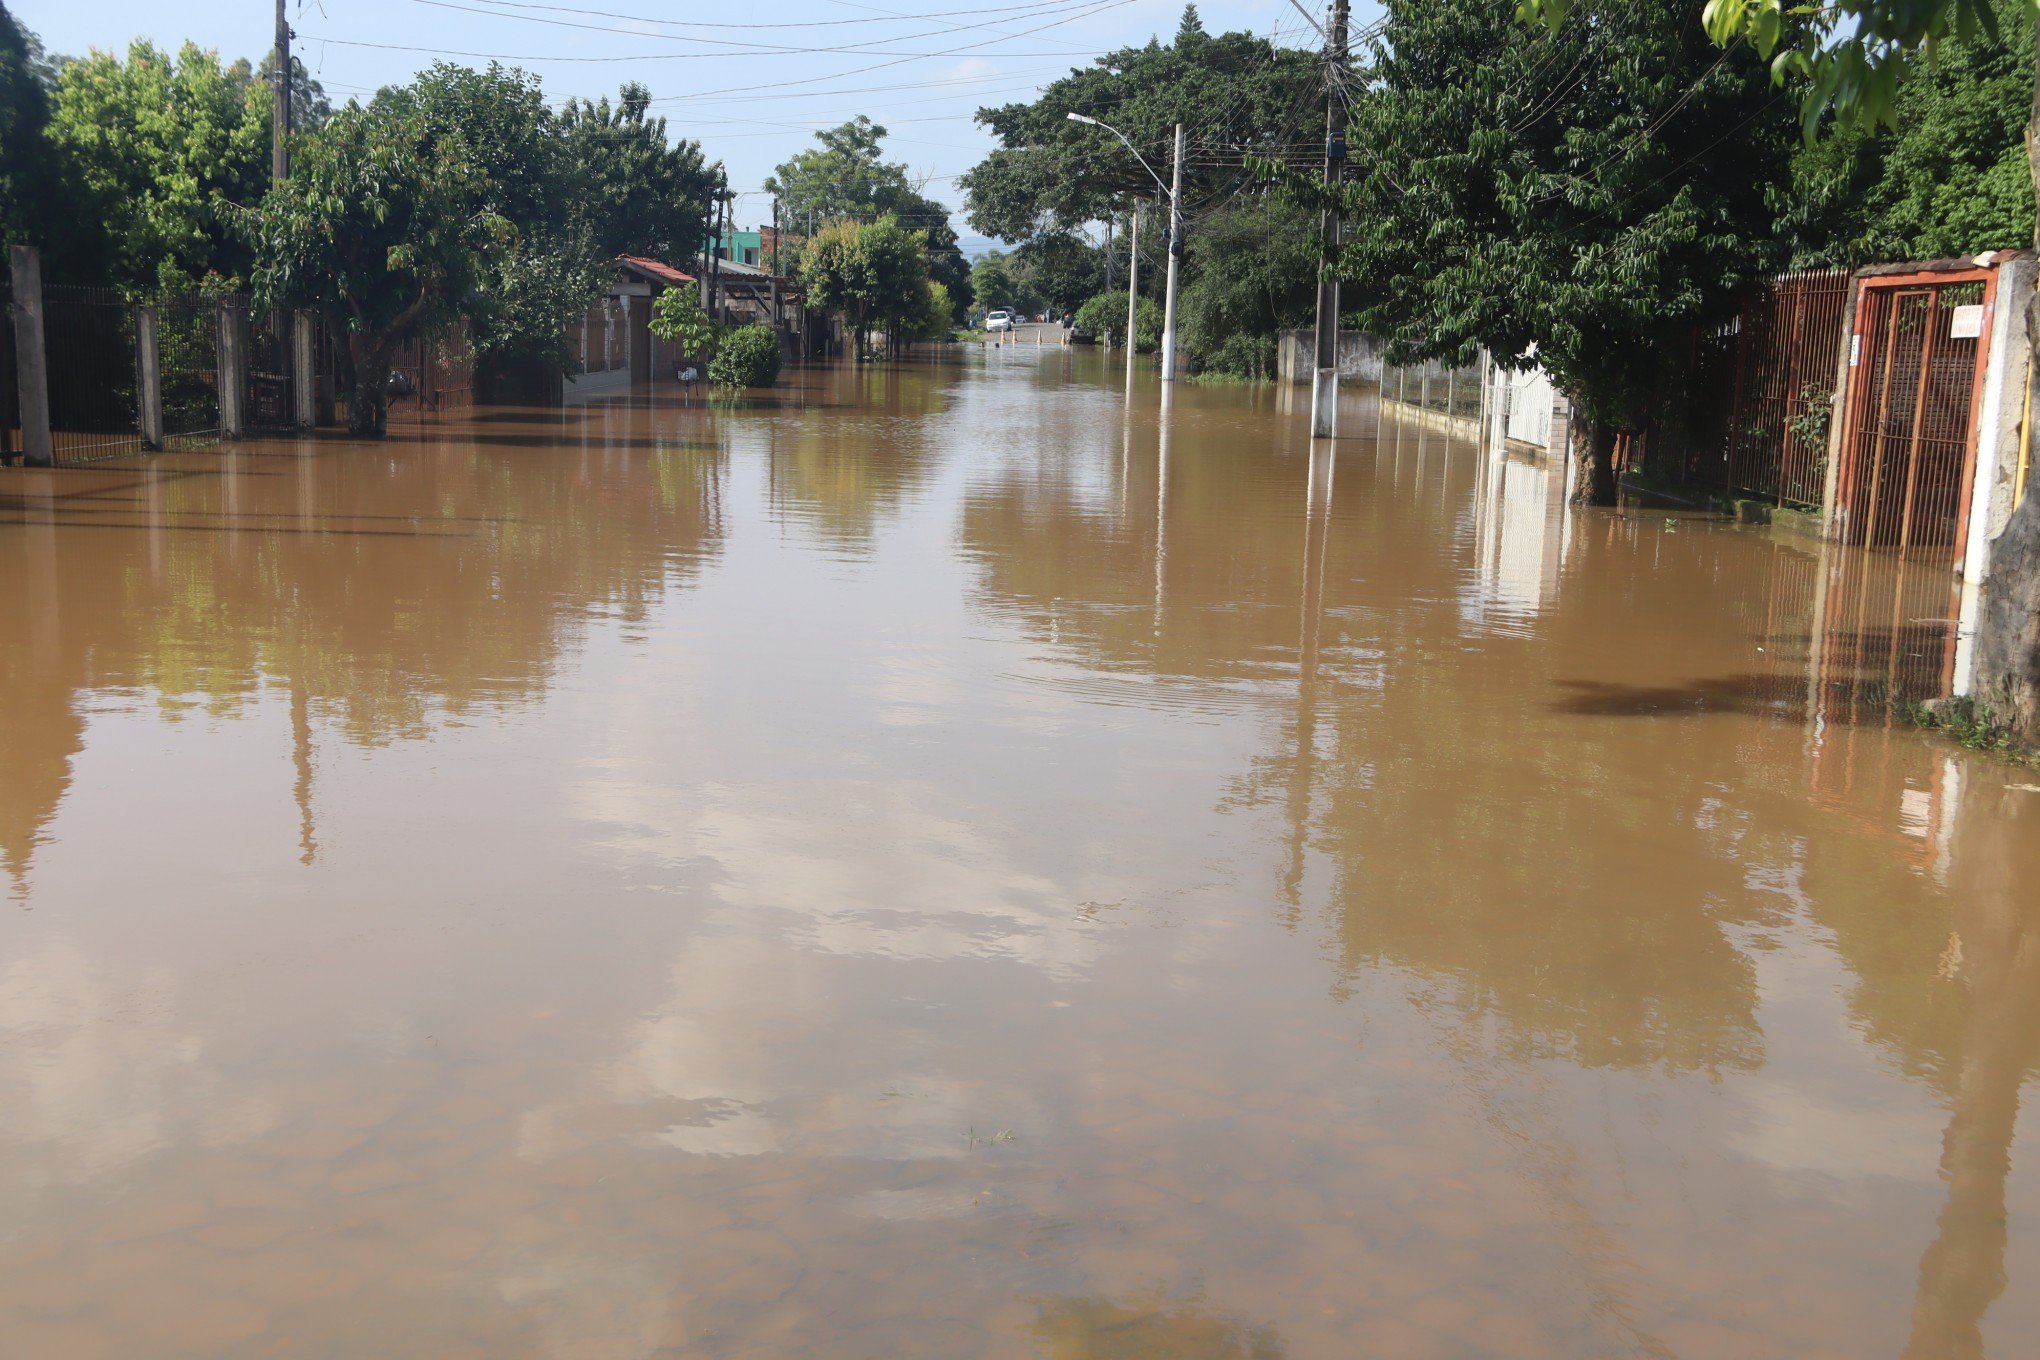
{"points": [[920, 67]]}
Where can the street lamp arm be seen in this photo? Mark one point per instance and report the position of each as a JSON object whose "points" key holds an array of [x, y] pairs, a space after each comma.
{"points": [[1075, 117]]}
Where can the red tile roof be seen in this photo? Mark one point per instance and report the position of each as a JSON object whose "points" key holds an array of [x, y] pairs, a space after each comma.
{"points": [[664, 273]]}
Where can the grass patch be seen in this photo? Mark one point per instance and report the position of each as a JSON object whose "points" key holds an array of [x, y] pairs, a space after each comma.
{"points": [[1972, 724]]}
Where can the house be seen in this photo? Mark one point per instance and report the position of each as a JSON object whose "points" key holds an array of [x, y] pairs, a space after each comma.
{"points": [[612, 341], [742, 247]]}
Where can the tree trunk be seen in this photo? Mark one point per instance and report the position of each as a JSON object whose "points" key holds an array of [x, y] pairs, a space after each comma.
{"points": [[1593, 451], [368, 414], [2008, 641]]}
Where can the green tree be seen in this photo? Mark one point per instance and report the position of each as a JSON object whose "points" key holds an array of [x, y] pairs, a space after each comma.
{"points": [[939, 318], [28, 173], [1104, 316], [1061, 268], [1948, 178], [1597, 216], [1252, 270], [845, 177], [637, 194], [848, 177], [156, 150], [679, 318], [543, 264], [874, 273], [386, 225], [992, 282], [1234, 94]]}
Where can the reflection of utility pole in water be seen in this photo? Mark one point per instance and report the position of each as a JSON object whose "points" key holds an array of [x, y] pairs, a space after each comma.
{"points": [[301, 755], [1317, 512], [1998, 939], [1162, 501]]}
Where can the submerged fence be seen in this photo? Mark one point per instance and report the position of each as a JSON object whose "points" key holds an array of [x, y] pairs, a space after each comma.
{"points": [[1435, 387], [126, 372]]}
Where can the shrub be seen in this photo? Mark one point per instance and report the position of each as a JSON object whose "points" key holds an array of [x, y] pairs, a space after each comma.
{"points": [[747, 356], [1105, 317], [678, 317]]}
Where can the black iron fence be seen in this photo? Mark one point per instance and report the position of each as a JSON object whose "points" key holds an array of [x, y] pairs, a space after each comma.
{"points": [[89, 341], [10, 405], [188, 350]]}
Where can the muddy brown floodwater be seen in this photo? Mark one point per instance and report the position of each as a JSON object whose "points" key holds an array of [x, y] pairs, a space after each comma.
{"points": [[936, 865]]}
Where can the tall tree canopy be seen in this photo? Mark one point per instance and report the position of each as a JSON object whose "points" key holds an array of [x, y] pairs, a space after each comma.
{"points": [[875, 273], [641, 195], [385, 226], [1234, 94], [1949, 178], [847, 177], [27, 173], [153, 149], [1595, 212]]}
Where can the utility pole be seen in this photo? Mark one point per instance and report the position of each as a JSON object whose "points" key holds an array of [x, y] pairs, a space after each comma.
{"points": [[1175, 259], [722, 206], [1132, 287], [1108, 252], [1324, 383], [279, 121]]}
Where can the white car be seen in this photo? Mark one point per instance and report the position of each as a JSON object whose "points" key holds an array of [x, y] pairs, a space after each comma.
{"points": [[1000, 320]]}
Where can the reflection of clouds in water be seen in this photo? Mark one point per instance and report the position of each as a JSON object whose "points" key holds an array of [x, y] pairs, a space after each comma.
{"points": [[864, 869], [95, 1074], [1794, 1130], [743, 1057]]}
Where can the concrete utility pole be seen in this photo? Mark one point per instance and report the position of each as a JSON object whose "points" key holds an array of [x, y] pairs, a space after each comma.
{"points": [[1324, 384], [32, 367], [279, 123], [1132, 287], [1175, 249], [1175, 259]]}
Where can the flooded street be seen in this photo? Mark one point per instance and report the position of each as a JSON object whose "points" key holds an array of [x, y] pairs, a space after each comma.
{"points": [[933, 864]]}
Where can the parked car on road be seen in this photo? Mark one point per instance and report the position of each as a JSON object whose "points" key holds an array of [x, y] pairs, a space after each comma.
{"points": [[999, 320]]}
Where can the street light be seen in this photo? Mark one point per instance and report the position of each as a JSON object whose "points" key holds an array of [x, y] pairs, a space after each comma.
{"points": [[1174, 193]]}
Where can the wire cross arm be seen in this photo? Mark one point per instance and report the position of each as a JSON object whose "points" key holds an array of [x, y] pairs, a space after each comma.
{"points": [[1161, 184]]}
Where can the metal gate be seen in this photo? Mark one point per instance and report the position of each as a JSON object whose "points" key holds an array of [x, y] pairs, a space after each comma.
{"points": [[1789, 342], [1909, 433]]}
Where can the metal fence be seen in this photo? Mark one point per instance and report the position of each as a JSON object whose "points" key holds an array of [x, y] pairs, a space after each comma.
{"points": [[89, 340], [1432, 386], [10, 404], [188, 356], [270, 402], [1908, 448], [1788, 349]]}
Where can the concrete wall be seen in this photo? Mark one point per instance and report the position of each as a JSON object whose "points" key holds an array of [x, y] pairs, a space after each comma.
{"points": [[1359, 357]]}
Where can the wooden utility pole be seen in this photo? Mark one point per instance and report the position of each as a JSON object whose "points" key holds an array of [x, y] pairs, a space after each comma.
{"points": [[279, 123], [722, 205], [1324, 385]]}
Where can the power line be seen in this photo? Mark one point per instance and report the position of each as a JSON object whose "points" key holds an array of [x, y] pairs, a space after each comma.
{"points": [[750, 48], [1009, 11]]}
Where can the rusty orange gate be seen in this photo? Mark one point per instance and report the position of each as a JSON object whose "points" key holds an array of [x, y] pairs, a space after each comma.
{"points": [[1908, 450]]}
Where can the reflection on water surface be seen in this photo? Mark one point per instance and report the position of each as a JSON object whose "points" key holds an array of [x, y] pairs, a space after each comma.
{"points": [[939, 864]]}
